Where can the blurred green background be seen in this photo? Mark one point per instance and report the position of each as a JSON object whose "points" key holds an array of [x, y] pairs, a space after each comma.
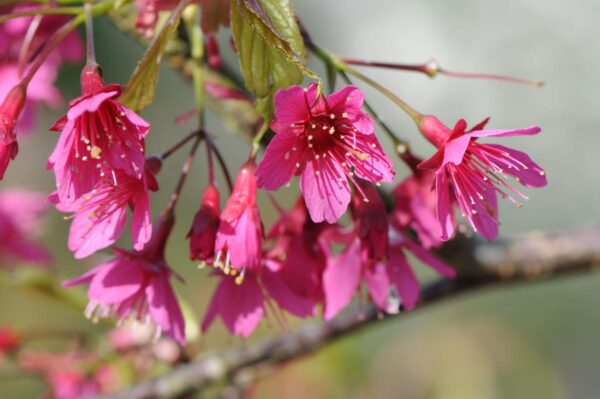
{"points": [[533, 341]]}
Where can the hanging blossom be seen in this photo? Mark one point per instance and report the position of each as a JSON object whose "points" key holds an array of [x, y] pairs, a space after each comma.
{"points": [[238, 243], [325, 141], [203, 232], [289, 278], [414, 205], [99, 136], [10, 109], [471, 174], [136, 284], [375, 255], [20, 222], [100, 216]]}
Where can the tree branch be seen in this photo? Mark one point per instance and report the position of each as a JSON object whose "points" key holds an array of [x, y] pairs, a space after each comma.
{"points": [[532, 257]]}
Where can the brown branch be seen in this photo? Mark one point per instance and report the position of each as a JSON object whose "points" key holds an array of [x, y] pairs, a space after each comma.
{"points": [[532, 257]]}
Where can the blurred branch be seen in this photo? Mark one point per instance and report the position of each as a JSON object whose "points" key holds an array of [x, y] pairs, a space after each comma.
{"points": [[531, 257]]}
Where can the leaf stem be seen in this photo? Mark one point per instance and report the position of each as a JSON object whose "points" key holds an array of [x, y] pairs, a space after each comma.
{"points": [[41, 11]]}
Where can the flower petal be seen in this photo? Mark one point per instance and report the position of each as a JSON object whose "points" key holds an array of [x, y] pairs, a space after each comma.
{"points": [[279, 163], [325, 190], [340, 279]]}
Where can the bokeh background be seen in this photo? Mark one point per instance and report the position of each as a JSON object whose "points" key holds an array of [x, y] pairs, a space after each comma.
{"points": [[533, 341]]}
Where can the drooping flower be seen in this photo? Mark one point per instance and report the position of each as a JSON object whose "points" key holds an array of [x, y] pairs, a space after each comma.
{"points": [[100, 215], [414, 206], [20, 214], [136, 284], [204, 228], [325, 141], [240, 306], [239, 238], [298, 260], [472, 174], [99, 136], [10, 109]]}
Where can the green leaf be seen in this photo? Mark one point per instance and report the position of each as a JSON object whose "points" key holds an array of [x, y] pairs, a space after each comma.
{"points": [[270, 47], [140, 89]]}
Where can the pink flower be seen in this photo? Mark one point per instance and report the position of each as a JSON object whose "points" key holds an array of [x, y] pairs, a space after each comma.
{"points": [[297, 261], [472, 173], [239, 238], [100, 216], [204, 228], [136, 283], [20, 214], [371, 221], [325, 141], [344, 273], [240, 304], [99, 136], [10, 109], [414, 206]]}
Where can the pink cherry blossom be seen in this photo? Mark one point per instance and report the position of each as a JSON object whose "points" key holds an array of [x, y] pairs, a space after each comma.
{"points": [[99, 136], [239, 238], [20, 214], [325, 141], [240, 304], [414, 206], [100, 216], [136, 284], [472, 174], [204, 228]]}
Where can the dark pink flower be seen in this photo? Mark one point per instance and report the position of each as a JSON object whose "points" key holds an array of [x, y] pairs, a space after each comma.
{"points": [[204, 228], [239, 303], [371, 222], [325, 141], [10, 109], [238, 243], [414, 206], [471, 173], [136, 284], [20, 214], [100, 216], [394, 274], [10, 340], [99, 136]]}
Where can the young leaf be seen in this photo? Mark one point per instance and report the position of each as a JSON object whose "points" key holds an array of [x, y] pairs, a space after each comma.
{"points": [[140, 89]]}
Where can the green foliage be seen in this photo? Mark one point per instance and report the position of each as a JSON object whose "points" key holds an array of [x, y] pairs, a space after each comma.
{"points": [[140, 89], [270, 48]]}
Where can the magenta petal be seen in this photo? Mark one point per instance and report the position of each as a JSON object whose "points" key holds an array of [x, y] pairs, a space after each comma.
{"points": [[526, 131], [291, 104], [279, 163], [141, 225], [164, 308], [378, 284], [526, 171], [90, 104], [454, 151], [325, 190], [444, 205], [243, 308], [404, 279], [375, 165], [115, 282], [285, 297], [340, 279], [484, 214], [214, 308], [87, 235], [348, 100]]}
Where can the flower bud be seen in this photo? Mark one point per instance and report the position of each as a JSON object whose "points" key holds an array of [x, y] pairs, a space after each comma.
{"points": [[204, 228]]}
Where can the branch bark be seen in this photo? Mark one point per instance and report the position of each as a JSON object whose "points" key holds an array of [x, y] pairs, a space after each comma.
{"points": [[531, 257]]}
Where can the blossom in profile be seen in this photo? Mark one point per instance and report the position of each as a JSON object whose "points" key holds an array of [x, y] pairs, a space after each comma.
{"points": [[471, 174], [10, 109], [325, 141], [414, 205], [100, 216], [204, 228], [99, 136], [238, 243], [20, 222], [137, 284]]}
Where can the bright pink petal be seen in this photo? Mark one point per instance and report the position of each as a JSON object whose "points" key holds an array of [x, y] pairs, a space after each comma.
{"points": [[115, 282], [279, 163], [141, 225], [526, 131], [243, 309], [340, 279], [291, 105], [325, 190], [444, 205], [348, 100], [378, 284], [87, 235], [404, 278], [520, 165], [90, 104], [164, 308], [281, 293]]}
